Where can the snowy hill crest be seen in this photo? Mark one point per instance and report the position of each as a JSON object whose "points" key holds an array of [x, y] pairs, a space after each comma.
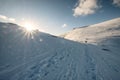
{"points": [[94, 33]]}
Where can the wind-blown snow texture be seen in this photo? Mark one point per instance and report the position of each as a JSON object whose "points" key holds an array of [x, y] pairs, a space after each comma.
{"points": [[47, 57]]}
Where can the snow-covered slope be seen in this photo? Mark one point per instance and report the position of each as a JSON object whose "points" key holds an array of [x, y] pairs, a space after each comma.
{"points": [[106, 35], [43, 56], [95, 33]]}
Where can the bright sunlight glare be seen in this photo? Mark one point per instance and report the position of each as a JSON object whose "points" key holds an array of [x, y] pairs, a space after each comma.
{"points": [[29, 27]]}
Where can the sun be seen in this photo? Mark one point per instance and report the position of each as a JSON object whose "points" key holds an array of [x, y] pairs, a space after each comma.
{"points": [[29, 27]]}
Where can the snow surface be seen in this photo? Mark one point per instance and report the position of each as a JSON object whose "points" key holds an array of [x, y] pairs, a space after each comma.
{"points": [[46, 57], [94, 33]]}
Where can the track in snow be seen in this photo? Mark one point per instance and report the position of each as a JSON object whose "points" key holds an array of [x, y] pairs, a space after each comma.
{"points": [[71, 63]]}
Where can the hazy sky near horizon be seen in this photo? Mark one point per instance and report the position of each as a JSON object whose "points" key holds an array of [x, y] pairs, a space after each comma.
{"points": [[59, 16]]}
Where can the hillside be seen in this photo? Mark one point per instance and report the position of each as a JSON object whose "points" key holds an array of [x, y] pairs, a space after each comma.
{"points": [[95, 33], [41, 56]]}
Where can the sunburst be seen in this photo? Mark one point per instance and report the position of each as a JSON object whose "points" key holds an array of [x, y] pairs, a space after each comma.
{"points": [[29, 29]]}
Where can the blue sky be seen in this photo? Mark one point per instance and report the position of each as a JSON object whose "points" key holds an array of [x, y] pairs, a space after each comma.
{"points": [[59, 16]]}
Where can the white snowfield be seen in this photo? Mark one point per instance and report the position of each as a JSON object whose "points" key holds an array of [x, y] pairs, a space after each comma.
{"points": [[46, 57], [95, 33]]}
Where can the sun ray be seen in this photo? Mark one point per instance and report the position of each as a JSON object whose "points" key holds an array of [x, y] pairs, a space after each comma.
{"points": [[29, 30]]}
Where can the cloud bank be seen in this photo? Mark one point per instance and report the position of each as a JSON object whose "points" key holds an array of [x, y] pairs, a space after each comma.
{"points": [[116, 2], [86, 7], [8, 19]]}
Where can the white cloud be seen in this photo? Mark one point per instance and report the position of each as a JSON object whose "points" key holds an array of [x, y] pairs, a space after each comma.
{"points": [[8, 19], [86, 7], [64, 25], [11, 19], [3, 17], [116, 2]]}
